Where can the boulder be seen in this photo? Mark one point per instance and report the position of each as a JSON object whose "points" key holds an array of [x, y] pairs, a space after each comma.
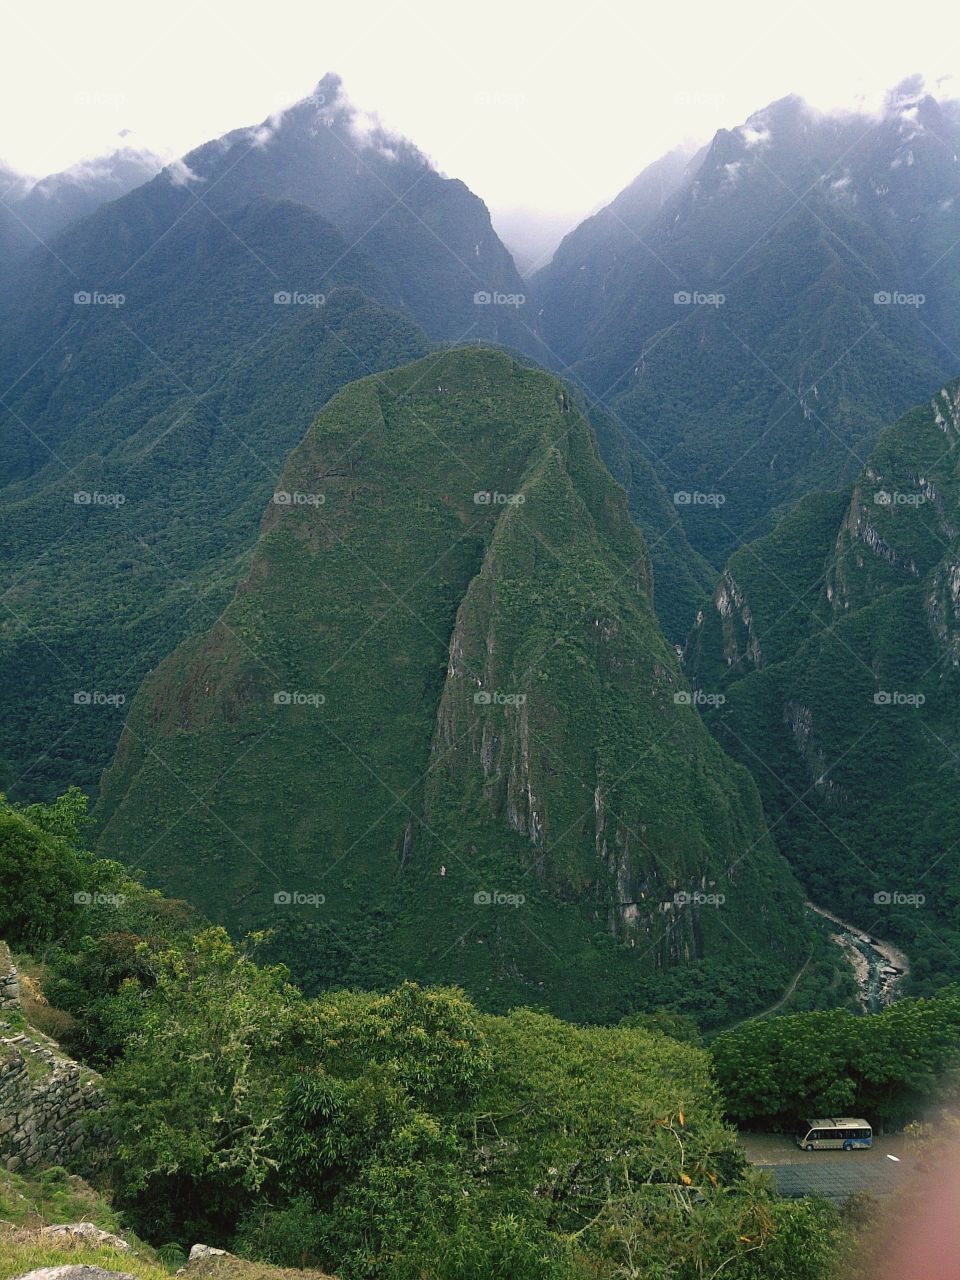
{"points": [[85, 1231], [74, 1272]]}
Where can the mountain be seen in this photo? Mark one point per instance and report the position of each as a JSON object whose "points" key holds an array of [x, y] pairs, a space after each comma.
{"points": [[13, 186], [793, 292], [33, 212], [572, 289], [162, 358], [835, 642], [438, 731]]}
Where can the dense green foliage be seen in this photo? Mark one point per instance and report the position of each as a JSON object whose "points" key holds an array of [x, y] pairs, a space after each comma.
{"points": [[885, 1067], [407, 1134], [524, 845], [179, 404], [835, 643]]}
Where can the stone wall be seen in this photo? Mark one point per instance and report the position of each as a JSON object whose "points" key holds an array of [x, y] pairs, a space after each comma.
{"points": [[47, 1102], [9, 985]]}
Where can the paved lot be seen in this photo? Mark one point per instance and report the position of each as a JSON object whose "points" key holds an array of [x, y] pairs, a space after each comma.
{"points": [[834, 1174]]}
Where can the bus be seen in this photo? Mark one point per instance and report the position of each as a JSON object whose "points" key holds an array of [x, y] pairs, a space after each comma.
{"points": [[838, 1134]]}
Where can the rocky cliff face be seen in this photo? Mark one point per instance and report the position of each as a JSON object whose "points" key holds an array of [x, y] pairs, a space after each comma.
{"points": [[850, 724], [441, 711]]}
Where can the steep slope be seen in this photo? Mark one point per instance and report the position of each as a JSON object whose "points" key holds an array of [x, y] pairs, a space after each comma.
{"points": [[428, 237], [13, 186], [439, 716], [140, 527], [164, 356], [571, 291], [796, 292], [683, 578], [836, 644], [33, 212]]}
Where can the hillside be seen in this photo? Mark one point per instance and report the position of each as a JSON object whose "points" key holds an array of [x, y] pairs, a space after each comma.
{"points": [[161, 358], [32, 213], [836, 643], [794, 293], [417, 696]]}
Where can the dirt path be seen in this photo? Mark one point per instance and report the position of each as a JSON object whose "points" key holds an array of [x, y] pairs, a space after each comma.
{"points": [[778, 1004]]}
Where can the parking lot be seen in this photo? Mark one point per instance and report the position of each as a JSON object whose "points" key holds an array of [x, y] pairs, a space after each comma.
{"points": [[833, 1174]]}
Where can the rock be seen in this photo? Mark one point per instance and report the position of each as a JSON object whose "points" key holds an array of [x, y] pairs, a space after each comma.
{"points": [[199, 1251], [74, 1273], [85, 1231]]}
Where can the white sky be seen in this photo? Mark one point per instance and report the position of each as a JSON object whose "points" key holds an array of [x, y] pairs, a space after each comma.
{"points": [[535, 104]]}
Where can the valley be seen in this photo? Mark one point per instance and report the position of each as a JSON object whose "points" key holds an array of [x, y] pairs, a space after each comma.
{"points": [[479, 752], [880, 967]]}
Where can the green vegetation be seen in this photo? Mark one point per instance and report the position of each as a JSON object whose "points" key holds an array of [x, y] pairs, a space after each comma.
{"points": [[407, 1134], [53, 1195], [507, 781], [886, 1066], [834, 641], [785, 383], [393, 1135]]}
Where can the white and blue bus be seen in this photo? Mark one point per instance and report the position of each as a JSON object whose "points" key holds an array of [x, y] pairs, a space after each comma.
{"points": [[839, 1134]]}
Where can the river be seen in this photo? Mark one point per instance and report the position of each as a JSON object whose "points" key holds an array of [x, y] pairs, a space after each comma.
{"points": [[880, 967]]}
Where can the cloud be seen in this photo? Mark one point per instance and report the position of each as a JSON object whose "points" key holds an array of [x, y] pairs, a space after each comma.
{"points": [[180, 173]]}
